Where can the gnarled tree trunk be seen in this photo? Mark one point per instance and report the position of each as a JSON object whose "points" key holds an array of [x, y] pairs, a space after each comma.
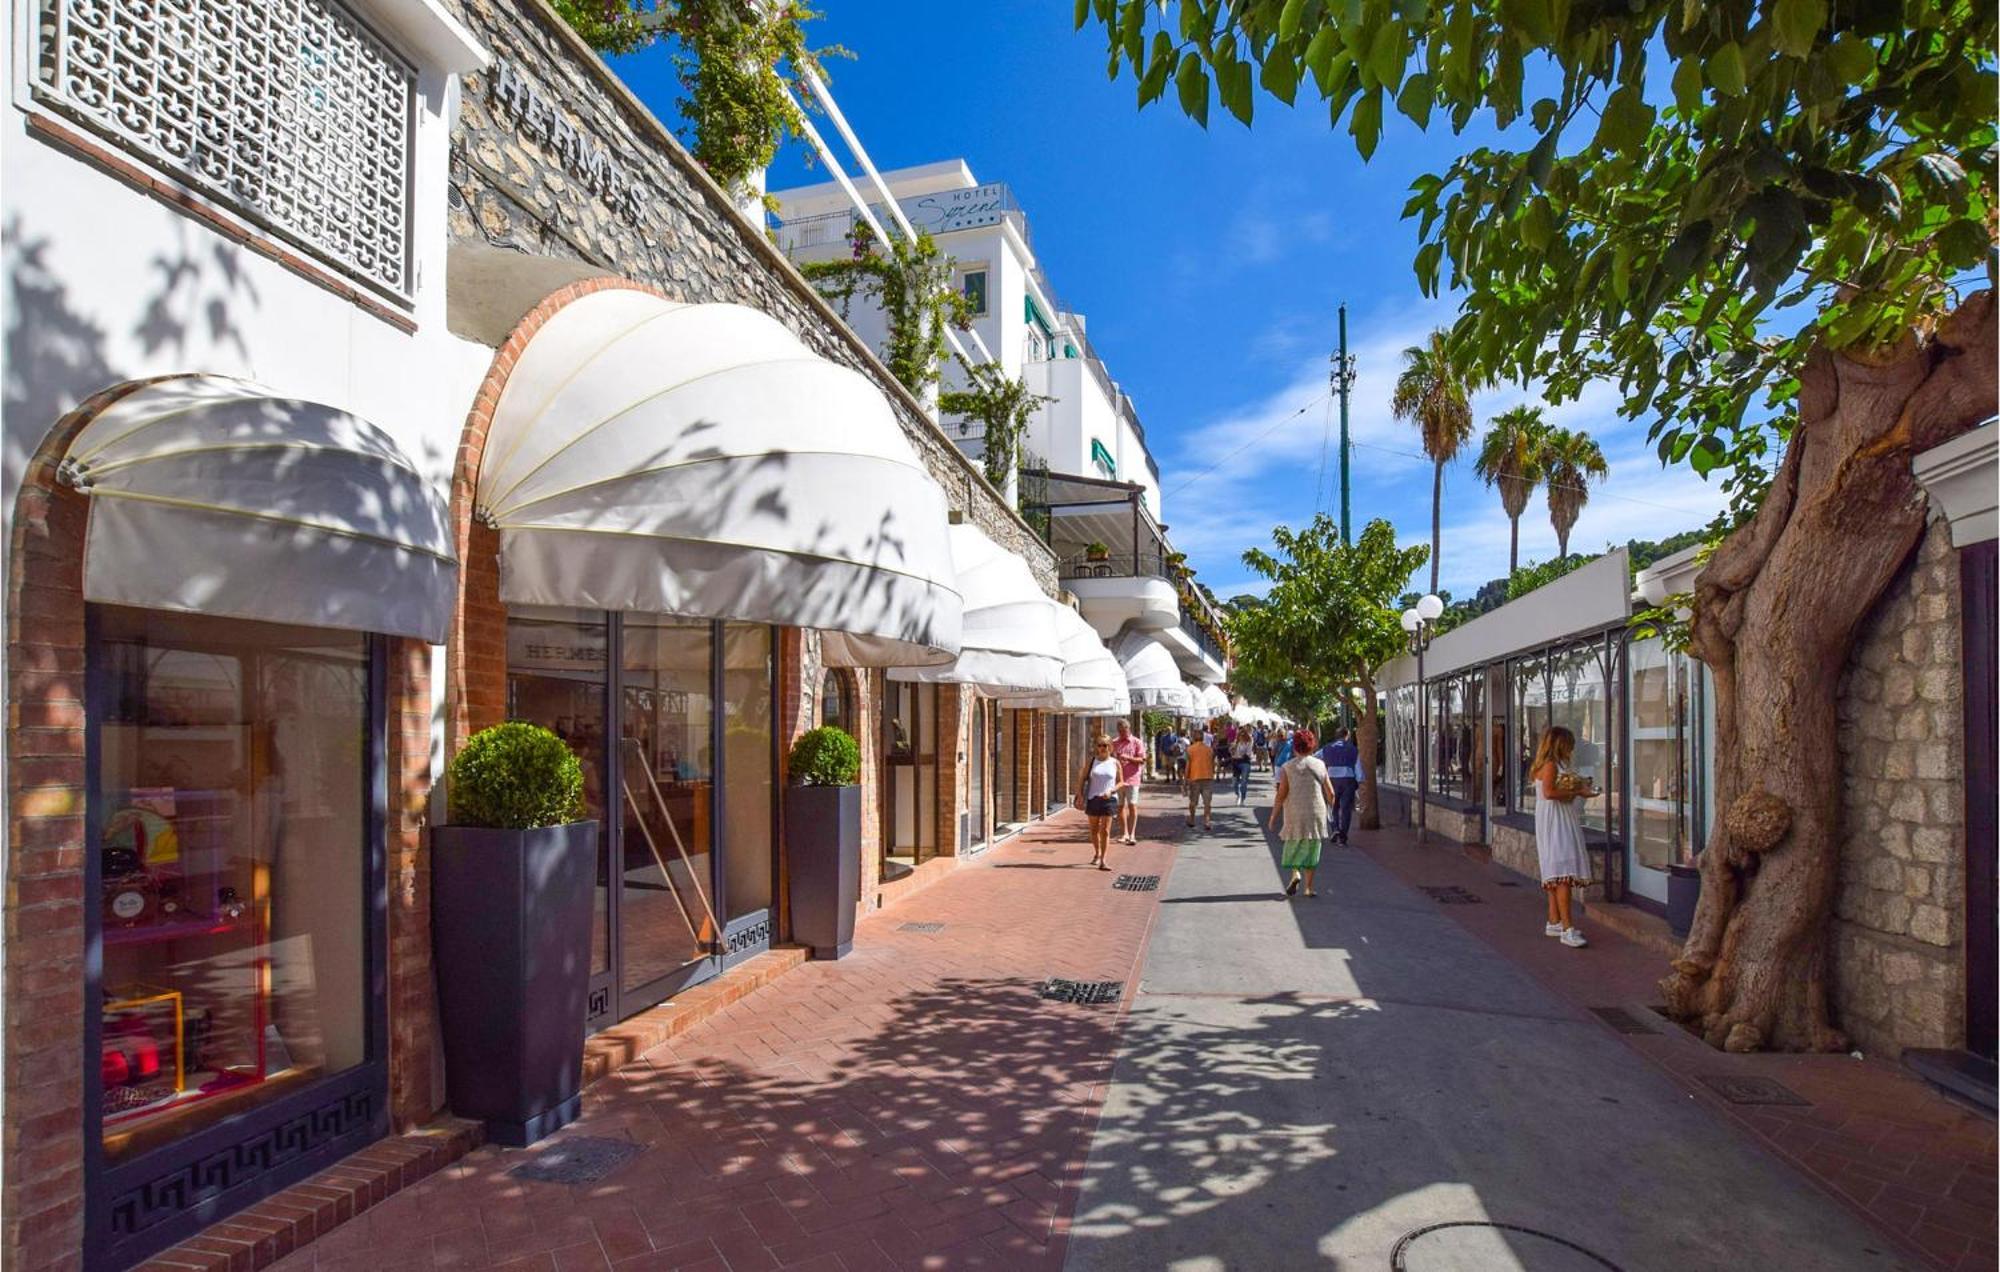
{"points": [[1367, 733], [1776, 611]]}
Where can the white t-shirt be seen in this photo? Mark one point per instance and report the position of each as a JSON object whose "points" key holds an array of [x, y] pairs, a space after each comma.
{"points": [[1101, 780]]}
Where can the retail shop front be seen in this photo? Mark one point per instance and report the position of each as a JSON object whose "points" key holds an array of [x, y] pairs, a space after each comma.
{"points": [[655, 526]]}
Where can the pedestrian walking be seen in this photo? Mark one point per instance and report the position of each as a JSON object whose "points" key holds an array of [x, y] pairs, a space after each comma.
{"points": [[1242, 752], [1343, 768], [1559, 843], [1130, 753], [1298, 814], [1282, 753], [1163, 742], [1262, 741], [1097, 796], [1200, 781]]}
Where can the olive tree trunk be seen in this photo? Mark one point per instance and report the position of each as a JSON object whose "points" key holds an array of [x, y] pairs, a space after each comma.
{"points": [[1776, 612]]}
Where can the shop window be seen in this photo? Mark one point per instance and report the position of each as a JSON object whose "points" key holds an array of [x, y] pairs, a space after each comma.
{"points": [[666, 903], [749, 796], [836, 703], [1570, 686], [1662, 776], [1457, 737], [230, 799], [1402, 736]]}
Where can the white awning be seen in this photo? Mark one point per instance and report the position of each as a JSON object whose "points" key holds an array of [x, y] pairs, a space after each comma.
{"points": [[700, 460], [1151, 674], [1211, 703], [1093, 682], [1008, 641], [218, 496]]}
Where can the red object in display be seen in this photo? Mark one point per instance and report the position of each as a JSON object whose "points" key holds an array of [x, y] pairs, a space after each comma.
{"points": [[116, 1068]]}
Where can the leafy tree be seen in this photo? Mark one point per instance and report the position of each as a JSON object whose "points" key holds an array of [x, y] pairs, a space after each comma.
{"points": [[1510, 458], [1570, 461], [1003, 406], [912, 284], [1540, 574], [1432, 394], [1768, 242], [1327, 622], [726, 55]]}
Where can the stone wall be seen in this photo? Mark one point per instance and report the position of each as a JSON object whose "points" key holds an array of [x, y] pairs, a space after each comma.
{"points": [[1899, 927], [553, 157]]}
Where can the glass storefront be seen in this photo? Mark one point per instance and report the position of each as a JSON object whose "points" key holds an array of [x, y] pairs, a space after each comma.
{"points": [[1400, 729], [235, 774], [910, 804], [1575, 686], [687, 797], [1458, 755], [1664, 781]]}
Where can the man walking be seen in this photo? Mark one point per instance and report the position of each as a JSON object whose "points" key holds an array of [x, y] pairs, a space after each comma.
{"points": [[1343, 767], [1201, 780], [1130, 753]]}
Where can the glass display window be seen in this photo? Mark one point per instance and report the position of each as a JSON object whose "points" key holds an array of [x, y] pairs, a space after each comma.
{"points": [[1662, 778], [749, 797], [230, 796]]}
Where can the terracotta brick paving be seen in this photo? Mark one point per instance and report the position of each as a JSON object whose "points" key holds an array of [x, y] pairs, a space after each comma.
{"points": [[914, 1105], [1915, 1163]]}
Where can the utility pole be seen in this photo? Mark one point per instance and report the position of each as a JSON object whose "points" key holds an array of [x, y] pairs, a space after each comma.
{"points": [[1342, 380]]}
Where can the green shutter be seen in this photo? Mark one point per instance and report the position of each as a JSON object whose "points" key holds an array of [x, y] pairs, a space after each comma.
{"points": [[1103, 456]]}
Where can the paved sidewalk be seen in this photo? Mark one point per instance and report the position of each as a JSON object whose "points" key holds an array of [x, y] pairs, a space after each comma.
{"points": [[915, 1104], [1914, 1162], [1324, 1083]]}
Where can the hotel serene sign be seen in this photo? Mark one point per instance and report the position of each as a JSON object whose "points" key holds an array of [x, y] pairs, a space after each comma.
{"points": [[952, 210]]}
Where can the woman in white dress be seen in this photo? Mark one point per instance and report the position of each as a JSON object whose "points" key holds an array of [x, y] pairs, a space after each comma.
{"points": [[1565, 862]]}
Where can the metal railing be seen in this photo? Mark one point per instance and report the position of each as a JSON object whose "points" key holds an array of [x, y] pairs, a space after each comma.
{"points": [[1146, 563]]}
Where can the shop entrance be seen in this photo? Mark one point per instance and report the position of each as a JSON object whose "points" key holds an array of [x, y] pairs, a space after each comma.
{"points": [[1665, 706], [672, 718], [976, 770], [909, 806], [1052, 770]]}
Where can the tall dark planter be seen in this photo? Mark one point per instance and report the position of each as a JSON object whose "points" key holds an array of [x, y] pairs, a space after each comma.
{"points": [[1683, 894], [510, 919], [823, 845]]}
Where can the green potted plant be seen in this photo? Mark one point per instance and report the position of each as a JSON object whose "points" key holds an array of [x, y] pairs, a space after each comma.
{"points": [[823, 840], [1096, 552], [511, 880]]}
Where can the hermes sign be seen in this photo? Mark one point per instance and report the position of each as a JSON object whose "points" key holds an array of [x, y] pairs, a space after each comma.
{"points": [[540, 119]]}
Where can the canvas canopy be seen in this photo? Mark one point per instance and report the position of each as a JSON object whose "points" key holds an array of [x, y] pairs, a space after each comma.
{"points": [[212, 495], [1151, 674], [1008, 641], [1093, 682], [700, 460]]}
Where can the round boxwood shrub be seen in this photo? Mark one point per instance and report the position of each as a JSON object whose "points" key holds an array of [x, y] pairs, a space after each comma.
{"points": [[515, 776], [825, 756]]}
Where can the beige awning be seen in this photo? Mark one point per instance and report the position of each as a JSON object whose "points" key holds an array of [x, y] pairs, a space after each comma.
{"points": [[1093, 683], [1007, 642], [1151, 674]]}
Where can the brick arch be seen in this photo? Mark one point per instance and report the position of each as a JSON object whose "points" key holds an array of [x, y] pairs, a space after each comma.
{"points": [[476, 646]]}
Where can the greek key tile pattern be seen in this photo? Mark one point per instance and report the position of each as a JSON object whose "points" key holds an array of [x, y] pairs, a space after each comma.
{"points": [[288, 111]]}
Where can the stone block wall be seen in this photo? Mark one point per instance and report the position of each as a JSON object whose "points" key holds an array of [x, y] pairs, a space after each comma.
{"points": [[1899, 925]]}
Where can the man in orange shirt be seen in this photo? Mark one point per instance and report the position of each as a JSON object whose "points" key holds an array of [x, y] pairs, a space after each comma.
{"points": [[1201, 779]]}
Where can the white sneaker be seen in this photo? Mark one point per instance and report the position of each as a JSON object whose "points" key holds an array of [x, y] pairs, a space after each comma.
{"points": [[1552, 929], [1573, 938]]}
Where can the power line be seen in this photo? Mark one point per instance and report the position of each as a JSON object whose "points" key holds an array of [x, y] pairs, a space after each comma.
{"points": [[1275, 426], [1319, 486], [1585, 490]]}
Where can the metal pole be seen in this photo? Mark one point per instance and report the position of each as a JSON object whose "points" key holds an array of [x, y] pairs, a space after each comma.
{"points": [[1423, 740], [1342, 381]]}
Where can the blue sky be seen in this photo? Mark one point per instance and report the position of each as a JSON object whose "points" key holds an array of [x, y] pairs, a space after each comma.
{"points": [[1209, 264]]}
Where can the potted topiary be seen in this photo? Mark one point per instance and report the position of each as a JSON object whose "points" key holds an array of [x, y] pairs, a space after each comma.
{"points": [[511, 881], [823, 840]]}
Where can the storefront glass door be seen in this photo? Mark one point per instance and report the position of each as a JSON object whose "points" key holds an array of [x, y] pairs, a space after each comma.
{"points": [[976, 796], [1664, 781], [909, 806]]}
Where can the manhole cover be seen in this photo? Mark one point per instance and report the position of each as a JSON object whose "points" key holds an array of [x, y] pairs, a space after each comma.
{"points": [[1136, 883], [921, 927], [1621, 1020], [1751, 1090], [582, 1159], [1469, 1245], [1087, 992], [1452, 895]]}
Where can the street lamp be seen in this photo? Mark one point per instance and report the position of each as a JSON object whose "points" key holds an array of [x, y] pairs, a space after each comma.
{"points": [[1420, 624]]}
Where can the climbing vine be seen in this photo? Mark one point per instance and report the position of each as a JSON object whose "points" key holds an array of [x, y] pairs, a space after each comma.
{"points": [[727, 56], [1002, 405], [912, 283]]}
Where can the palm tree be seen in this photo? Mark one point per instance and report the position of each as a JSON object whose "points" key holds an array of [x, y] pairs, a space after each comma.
{"points": [[1570, 462], [1511, 458], [1432, 394]]}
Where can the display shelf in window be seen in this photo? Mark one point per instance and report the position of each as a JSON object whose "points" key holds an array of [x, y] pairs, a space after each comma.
{"points": [[143, 1057]]}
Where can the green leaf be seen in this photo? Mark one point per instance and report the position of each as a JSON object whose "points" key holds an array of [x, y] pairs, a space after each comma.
{"points": [[1288, 19], [1232, 84], [1191, 82], [1705, 456], [1386, 53], [1724, 70], [1625, 121], [1280, 79], [1159, 64], [1688, 86], [1795, 24], [1082, 13], [1538, 224], [1319, 57], [1417, 98], [1853, 59], [1366, 126]]}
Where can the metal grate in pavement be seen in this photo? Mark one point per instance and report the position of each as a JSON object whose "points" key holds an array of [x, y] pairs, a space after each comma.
{"points": [[920, 927], [1089, 993], [1621, 1020], [1452, 894], [1136, 883], [580, 1159], [1751, 1090]]}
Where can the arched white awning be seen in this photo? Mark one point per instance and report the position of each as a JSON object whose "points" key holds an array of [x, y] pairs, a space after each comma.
{"points": [[218, 496], [1210, 702], [1008, 642], [700, 460], [1151, 674], [1093, 682]]}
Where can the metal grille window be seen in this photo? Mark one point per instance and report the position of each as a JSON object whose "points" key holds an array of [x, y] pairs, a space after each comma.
{"points": [[289, 111]]}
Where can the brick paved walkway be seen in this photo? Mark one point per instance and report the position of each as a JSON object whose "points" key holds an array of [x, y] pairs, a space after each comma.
{"points": [[915, 1104], [1913, 1162]]}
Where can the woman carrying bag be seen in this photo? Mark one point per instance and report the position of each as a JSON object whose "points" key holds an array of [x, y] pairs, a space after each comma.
{"points": [[1097, 796]]}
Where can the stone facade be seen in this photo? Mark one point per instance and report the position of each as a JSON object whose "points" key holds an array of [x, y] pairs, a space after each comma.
{"points": [[1899, 926], [553, 157]]}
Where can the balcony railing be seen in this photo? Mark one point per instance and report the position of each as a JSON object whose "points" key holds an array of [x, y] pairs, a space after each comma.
{"points": [[1118, 565]]}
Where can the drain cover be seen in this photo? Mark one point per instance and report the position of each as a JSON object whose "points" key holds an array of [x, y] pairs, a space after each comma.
{"points": [[920, 927], [582, 1159], [1452, 895], [1472, 1244], [1086, 992], [1621, 1020], [1751, 1090], [1136, 883]]}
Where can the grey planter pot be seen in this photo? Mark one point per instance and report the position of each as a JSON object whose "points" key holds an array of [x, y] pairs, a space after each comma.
{"points": [[510, 923], [823, 847], [1683, 894]]}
